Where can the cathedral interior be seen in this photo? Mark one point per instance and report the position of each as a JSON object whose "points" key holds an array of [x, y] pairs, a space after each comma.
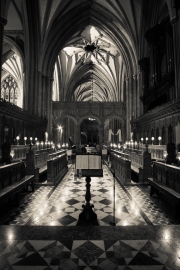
{"points": [[90, 134]]}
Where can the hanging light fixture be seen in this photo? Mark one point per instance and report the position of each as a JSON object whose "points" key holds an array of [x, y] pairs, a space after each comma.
{"points": [[92, 87]]}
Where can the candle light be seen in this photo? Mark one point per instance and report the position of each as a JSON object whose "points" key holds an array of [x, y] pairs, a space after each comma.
{"points": [[159, 138], [17, 138], [152, 139], [25, 139]]}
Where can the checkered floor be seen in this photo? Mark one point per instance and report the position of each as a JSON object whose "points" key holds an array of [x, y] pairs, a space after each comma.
{"points": [[62, 208], [30, 244]]}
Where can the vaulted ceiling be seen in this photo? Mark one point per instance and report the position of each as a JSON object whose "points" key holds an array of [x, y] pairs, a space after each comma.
{"points": [[89, 47]]}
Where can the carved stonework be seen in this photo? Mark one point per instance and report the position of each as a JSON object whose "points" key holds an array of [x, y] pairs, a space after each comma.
{"points": [[84, 110], [81, 109], [108, 111]]}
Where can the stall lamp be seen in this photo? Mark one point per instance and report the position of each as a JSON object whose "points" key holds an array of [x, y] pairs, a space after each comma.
{"points": [[25, 139], [178, 156], [17, 138], [165, 154], [152, 139]]}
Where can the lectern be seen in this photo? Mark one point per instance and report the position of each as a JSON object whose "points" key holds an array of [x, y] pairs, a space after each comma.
{"points": [[88, 166]]}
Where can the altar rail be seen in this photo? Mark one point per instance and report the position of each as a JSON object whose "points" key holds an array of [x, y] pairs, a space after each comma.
{"points": [[166, 180], [122, 168], [56, 169]]}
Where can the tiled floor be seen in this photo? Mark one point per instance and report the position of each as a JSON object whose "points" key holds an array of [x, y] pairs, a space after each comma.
{"points": [[45, 234]]}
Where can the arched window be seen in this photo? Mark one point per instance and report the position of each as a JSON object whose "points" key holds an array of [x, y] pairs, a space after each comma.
{"points": [[9, 90]]}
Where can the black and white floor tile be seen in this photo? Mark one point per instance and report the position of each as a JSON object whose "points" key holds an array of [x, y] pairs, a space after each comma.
{"points": [[87, 254], [94, 247]]}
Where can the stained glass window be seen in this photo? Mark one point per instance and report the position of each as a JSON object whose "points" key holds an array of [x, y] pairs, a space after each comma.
{"points": [[9, 90]]}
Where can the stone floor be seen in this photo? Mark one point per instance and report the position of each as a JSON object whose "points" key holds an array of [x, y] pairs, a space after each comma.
{"points": [[44, 232]]}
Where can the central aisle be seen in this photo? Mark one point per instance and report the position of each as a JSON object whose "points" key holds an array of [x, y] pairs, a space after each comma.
{"points": [[44, 235], [61, 206]]}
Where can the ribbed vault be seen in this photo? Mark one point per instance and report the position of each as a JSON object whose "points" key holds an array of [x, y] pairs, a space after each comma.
{"points": [[81, 68], [41, 31]]}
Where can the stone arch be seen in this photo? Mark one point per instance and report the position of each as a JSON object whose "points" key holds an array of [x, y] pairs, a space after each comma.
{"points": [[63, 137], [115, 116], [89, 115], [65, 116]]}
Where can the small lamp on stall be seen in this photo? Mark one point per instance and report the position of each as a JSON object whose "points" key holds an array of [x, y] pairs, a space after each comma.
{"points": [[142, 139], [178, 157], [165, 154], [31, 140], [135, 144], [152, 139], [63, 145], [17, 138], [146, 140], [49, 144], [159, 138], [37, 144], [25, 139], [42, 143], [35, 140], [131, 144], [59, 145]]}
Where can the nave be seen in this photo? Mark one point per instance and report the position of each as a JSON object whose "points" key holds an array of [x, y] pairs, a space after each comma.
{"points": [[43, 232]]}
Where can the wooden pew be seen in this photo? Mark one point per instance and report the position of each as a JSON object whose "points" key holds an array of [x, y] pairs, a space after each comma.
{"points": [[13, 179], [56, 168], [140, 163], [166, 180], [37, 162], [122, 168]]}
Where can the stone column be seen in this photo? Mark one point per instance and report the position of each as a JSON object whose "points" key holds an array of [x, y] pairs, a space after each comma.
{"points": [[174, 22], [139, 107], [77, 138], [49, 109], [3, 22], [134, 101], [166, 135], [43, 85], [100, 137], [127, 112], [145, 71]]}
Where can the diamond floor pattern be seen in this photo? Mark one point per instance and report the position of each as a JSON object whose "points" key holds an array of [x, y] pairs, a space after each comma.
{"points": [[88, 248]]}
